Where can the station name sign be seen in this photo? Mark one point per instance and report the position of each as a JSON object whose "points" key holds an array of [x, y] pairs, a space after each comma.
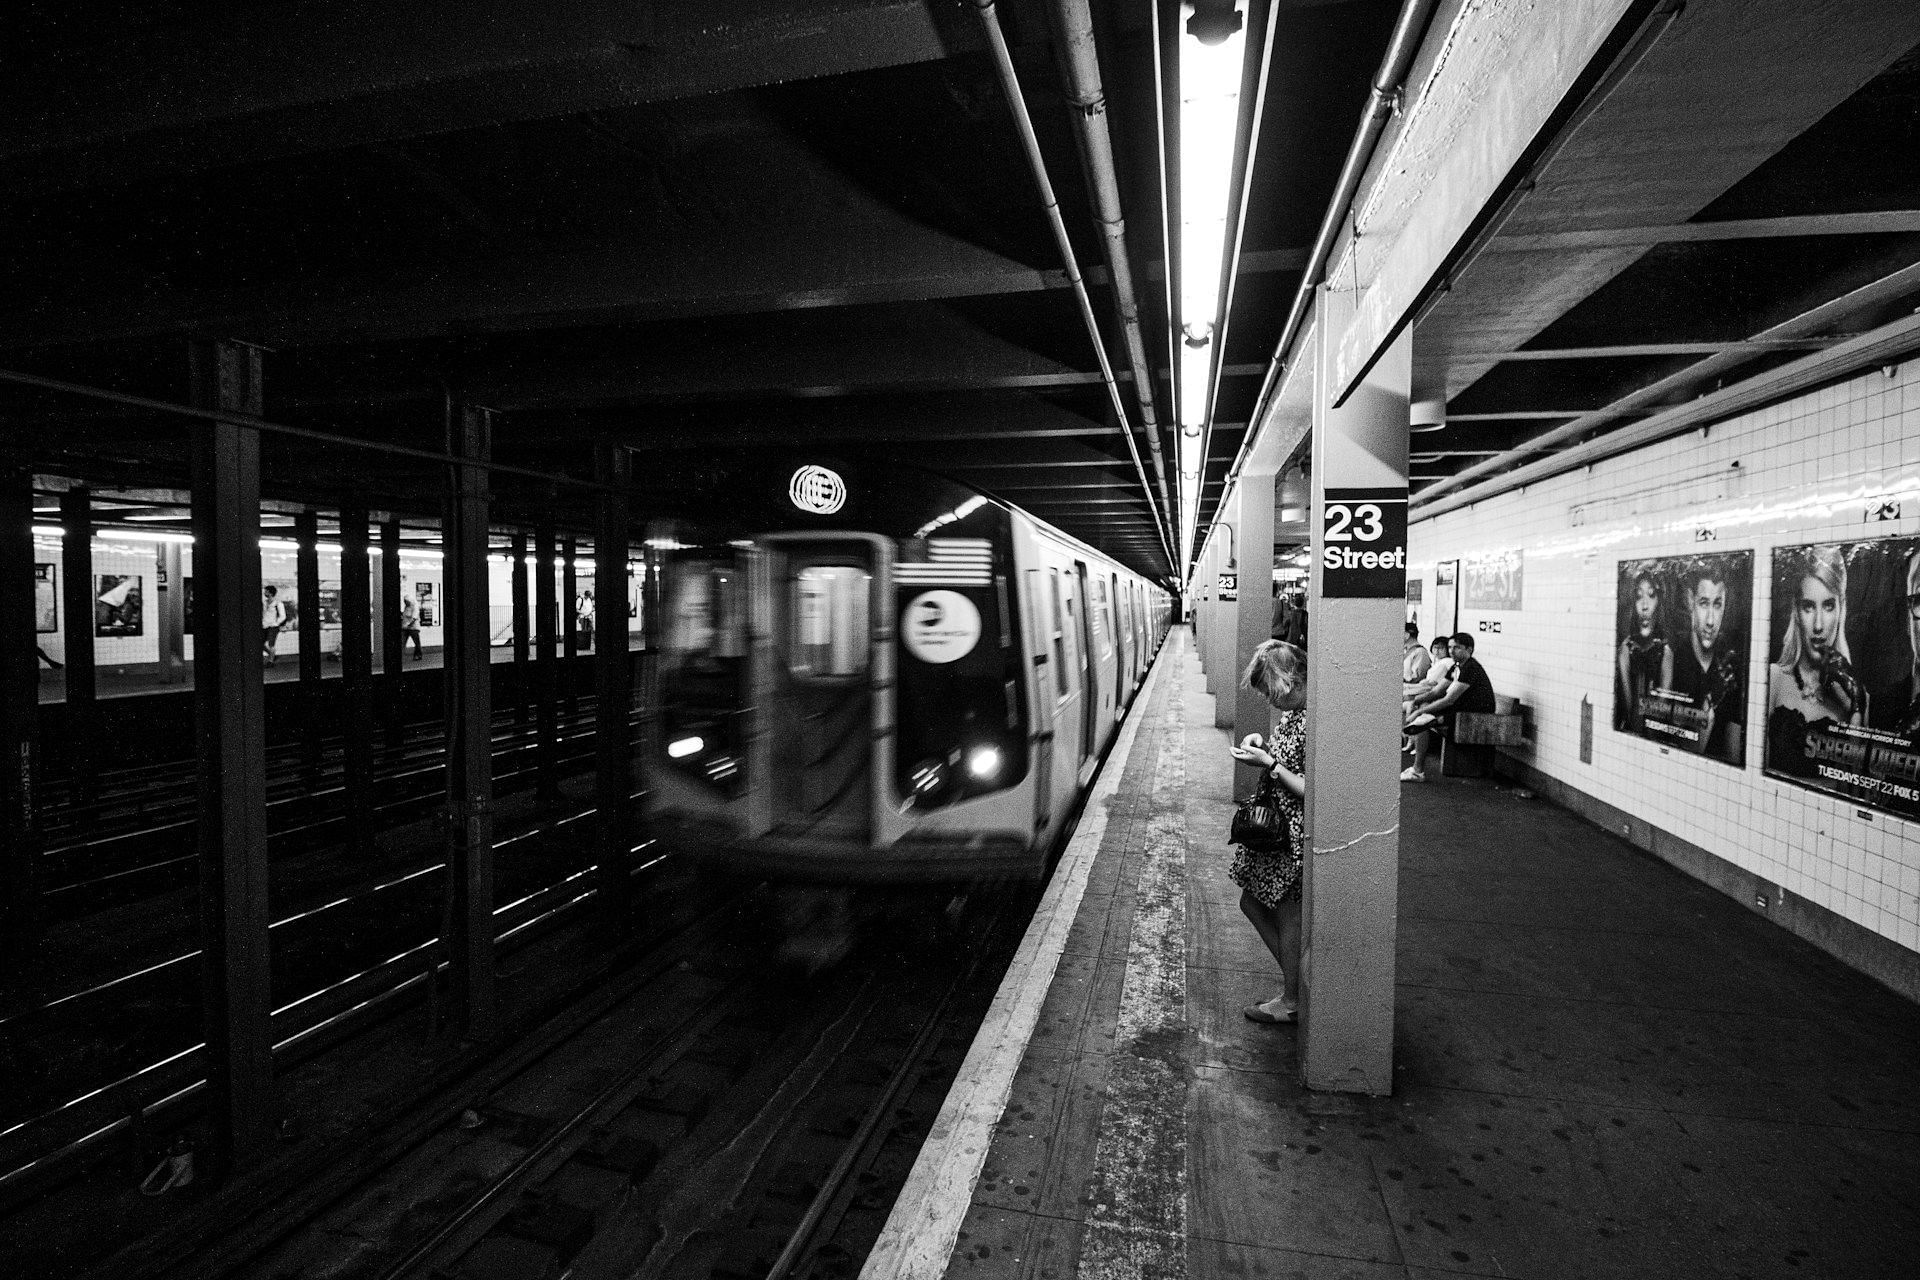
{"points": [[1364, 544]]}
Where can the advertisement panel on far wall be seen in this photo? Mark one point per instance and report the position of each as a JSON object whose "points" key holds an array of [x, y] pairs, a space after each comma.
{"points": [[1680, 652], [1493, 582], [1843, 671]]}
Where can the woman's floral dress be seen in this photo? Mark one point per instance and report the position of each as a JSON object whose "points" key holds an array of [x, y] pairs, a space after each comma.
{"points": [[1273, 876]]}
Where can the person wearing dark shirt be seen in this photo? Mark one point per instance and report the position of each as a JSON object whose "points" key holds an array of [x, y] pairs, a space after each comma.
{"points": [[1897, 707], [1470, 689], [1708, 672]]}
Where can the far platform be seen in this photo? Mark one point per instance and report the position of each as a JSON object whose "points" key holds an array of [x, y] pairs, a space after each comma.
{"points": [[1602, 1066]]}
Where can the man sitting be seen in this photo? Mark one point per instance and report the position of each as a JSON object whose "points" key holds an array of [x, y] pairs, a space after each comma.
{"points": [[1466, 689]]}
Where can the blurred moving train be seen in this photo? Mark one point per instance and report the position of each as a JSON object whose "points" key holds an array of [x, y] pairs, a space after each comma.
{"points": [[879, 675]]}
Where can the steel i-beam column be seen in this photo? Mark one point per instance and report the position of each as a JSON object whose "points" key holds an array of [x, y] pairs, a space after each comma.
{"points": [[1252, 713], [19, 711], [570, 618], [76, 597], [356, 673], [1350, 913], [469, 722], [521, 640], [230, 703], [306, 591], [546, 714], [392, 643], [173, 614], [613, 677]]}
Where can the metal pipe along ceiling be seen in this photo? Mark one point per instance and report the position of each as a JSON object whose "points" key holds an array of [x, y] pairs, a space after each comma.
{"points": [[1088, 95], [1010, 84]]}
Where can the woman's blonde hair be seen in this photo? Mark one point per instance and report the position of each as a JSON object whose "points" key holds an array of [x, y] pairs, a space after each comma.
{"points": [[1275, 668]]}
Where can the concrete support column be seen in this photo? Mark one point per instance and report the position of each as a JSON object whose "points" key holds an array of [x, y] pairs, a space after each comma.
{"points": [[569, 620], [546, 718], [173, 614], [76, 601], [522, 640], [392, 643], [613, 680], [230, 703], [356, 673], [19, 712], [306, 625], [469, 694], [1252, 713], [1350, 914]]}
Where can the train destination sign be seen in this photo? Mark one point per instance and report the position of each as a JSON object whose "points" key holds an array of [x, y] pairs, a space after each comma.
{"points": [[1364, 544]]}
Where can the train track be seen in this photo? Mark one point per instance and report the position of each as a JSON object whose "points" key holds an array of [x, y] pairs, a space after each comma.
{"points": [[717, 1121]]}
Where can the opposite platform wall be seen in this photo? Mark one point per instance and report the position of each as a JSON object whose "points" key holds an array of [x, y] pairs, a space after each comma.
{"points": [[1796, 472]]}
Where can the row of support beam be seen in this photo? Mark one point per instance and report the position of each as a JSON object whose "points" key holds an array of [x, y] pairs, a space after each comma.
{"points": [[230, 712], [1356, 456]]}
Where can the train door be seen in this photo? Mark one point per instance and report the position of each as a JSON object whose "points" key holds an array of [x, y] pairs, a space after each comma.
{"points": [[1089, 664], [1042, 636], [1123, 629], [820, 705]]}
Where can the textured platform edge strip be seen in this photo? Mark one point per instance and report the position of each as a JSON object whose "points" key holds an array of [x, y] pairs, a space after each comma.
{"points": [[918, 1240]]}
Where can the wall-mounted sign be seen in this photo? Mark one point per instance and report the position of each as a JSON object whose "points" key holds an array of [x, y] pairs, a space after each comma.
{"points": [[1493, 582], [940, 626], [46, 600], [1364, 544], [1227, 587], [817, 490]]}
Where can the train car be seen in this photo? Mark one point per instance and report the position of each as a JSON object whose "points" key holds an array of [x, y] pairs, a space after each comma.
{"points": [[882, 676]]}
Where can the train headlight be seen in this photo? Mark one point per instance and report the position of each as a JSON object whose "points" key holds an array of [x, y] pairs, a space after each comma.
{"points": [[984, 763], [681, 748]]}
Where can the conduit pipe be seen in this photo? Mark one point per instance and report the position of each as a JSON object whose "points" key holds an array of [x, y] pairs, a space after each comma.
{"points": [[1388, 84], [1089, 98], [1023, 122]]}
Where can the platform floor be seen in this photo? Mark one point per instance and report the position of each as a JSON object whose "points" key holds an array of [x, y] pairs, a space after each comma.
{"points": [[1602, 1068]]}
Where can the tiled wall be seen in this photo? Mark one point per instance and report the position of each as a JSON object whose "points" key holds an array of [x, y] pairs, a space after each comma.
{"points": [[1804, 470]]}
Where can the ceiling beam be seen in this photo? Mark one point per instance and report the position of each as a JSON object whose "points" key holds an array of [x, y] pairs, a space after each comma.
{"points": [[1817, 224], [1627, 350]]}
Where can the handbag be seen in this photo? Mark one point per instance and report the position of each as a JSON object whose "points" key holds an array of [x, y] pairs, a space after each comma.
{"points": [[1259, 823]]}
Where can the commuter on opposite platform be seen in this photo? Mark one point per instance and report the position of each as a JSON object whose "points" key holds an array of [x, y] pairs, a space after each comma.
{"points": [[1270, 879], [410, 625], [1468, 689], [273, 616]]}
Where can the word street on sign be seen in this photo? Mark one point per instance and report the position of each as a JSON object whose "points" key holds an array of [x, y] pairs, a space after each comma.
{"points": [[1364, 544]]}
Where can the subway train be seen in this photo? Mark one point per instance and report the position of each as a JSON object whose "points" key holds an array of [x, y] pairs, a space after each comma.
{"points": [[877, 675]]}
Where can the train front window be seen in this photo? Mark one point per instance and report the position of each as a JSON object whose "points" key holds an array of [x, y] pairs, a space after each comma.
{"points": [[705, 620], [830, 622]]}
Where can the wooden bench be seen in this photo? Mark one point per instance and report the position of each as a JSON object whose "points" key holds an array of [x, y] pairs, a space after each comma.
{"points": [[1470, 752]]}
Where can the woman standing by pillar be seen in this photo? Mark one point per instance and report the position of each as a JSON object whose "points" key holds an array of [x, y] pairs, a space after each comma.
{"points": [[1270, 879]]}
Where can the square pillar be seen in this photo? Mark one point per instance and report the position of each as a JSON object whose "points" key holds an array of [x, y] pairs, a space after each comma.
{"points": [[230, 705], [522, 639], [76, 600], [546, 615], [1252, 713], [569, 619], [613, 679], [356, 673], [19, 711], [1359, 520], [469, 694]]}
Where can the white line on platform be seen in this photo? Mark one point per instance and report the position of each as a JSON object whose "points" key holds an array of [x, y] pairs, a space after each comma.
{"points": [[919, 1237]]}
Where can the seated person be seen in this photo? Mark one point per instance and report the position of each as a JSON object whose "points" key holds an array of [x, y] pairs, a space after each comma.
{"points": [[1414, 660], [1439, 674], [1467, 688]]}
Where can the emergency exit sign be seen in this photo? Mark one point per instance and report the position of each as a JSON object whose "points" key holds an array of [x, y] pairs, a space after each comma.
{"points": [[1363, 535]]}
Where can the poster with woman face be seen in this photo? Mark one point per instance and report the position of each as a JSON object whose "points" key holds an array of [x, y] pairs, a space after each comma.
{"points": [[1843, 671], [1680, 652], [117, 605]]}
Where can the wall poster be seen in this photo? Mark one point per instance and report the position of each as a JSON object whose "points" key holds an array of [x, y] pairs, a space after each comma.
{"points": [[117, 605], [1843, 673], [1493, 582], [1680, 652], [429, 605], [46, 599]]}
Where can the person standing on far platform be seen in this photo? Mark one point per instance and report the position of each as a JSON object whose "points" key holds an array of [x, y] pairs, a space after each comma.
{"points": [[1270, 880], [273, 616], [410, 625]]}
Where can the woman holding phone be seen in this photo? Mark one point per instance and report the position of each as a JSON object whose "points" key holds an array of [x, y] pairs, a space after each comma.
{"points": [[1270, 880]]}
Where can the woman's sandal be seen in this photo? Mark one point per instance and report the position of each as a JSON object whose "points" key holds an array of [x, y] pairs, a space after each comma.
{"points": [[1260, 1013]]}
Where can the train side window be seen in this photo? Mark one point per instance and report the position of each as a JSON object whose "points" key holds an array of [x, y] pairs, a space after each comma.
{"points": [[1062, 641], [829, 620]]}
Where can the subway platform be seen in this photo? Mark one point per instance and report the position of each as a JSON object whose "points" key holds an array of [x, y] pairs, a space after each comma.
{"points": [[1602, 1066]]}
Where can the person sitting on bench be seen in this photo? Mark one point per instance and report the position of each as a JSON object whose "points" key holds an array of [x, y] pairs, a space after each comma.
{"points": [[1432, 714]]}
